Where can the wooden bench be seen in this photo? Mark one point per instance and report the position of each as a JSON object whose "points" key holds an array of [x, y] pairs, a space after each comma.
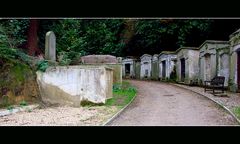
{"points": [[216, 83]]}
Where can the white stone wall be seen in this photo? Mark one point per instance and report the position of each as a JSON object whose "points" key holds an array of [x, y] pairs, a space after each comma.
{"points": [[70, 85]]}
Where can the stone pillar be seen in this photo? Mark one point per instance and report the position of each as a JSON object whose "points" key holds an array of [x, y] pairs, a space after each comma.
{"points": [[50, 46]]}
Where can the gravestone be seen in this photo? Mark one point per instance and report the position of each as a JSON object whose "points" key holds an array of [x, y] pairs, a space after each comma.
{"points": [[50, 46]]}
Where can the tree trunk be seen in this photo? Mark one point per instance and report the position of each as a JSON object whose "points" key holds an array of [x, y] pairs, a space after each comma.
{"points": [[32, 39]]}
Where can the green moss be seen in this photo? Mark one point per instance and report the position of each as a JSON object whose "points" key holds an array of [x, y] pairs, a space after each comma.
{"points": [[13, 76]]}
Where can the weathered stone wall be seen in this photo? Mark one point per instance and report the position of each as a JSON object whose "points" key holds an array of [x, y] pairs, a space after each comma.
{"points": [[191, 56], [117, 72], [223, 64], [146, 66], [70, 85], [234, 49], [193, 59], [155, 67], [210, 60]]}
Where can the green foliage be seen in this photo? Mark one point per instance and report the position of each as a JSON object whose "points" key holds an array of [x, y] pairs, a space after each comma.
{"points": [[117, 87], [236, 111], [42, 65], [122, 94], [81, 37], [119, 37], [23, 103], [153, 35], [13, 32], [67, 58], [15, 54], [10, 108]]}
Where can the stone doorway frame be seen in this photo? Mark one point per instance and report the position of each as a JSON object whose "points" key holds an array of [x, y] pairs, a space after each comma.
{"points": [[183, 69]]}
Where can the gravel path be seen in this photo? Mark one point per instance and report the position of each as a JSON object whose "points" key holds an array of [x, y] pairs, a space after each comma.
{"points": [[163, 104], [60, 116]]}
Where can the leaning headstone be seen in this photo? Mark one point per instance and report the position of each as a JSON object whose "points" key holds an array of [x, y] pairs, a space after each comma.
{"points": [[50, 46]]}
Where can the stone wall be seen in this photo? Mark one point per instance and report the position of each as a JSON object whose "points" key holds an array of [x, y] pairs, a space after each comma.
{"points": [[70, 85]]}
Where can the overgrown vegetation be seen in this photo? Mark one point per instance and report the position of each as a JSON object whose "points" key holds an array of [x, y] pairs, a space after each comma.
{"points": [[236, 111], [119, 37], [42, 65], [122, 94]]}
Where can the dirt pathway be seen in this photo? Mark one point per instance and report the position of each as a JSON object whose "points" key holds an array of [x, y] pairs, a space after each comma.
{"points": [[159, 104]]}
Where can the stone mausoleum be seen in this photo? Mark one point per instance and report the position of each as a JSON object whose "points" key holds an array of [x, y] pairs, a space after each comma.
{"points": [[167, 61], [146, 66], [234, 77], [214, 60], [128, 67], [187, 65]]}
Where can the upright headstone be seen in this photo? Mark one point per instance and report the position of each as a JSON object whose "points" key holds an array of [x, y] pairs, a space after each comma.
{"points": [[50, 46]]}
